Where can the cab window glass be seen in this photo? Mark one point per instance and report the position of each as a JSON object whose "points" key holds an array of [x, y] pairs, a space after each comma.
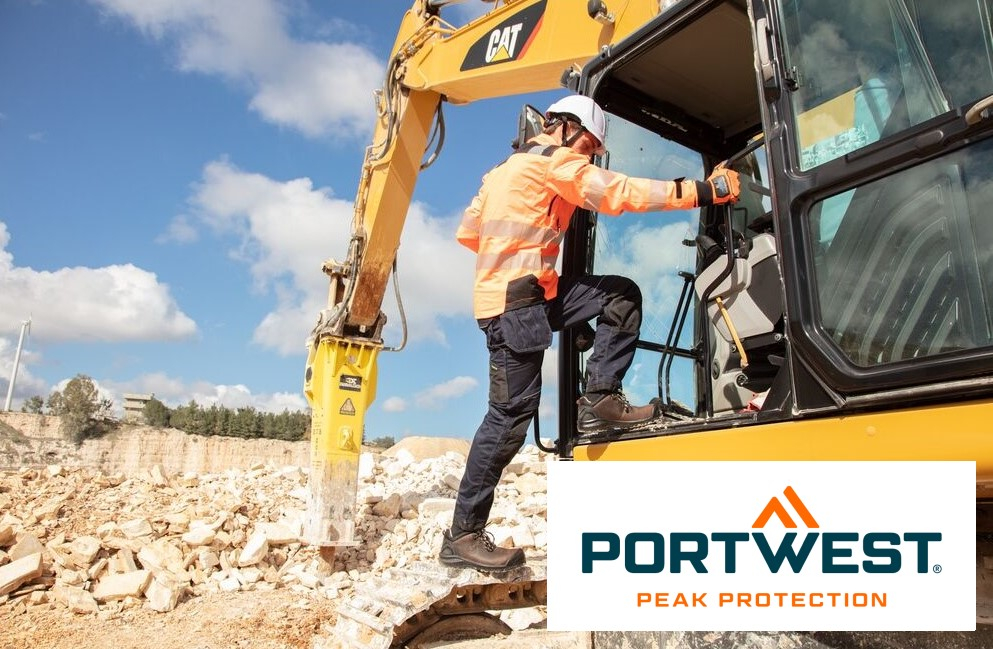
{"points": [[649, 249], [904, 265], [866, 70], [674, 257]]}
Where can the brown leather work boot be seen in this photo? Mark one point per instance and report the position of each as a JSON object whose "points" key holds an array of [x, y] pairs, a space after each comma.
{"points": [[477, 550], [599, 413]]}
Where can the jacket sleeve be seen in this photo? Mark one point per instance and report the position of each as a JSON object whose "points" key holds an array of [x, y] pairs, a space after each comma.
{"points": [[581, 183], [468, 232]]}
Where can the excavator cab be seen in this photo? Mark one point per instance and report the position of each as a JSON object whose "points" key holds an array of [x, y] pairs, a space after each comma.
{"points": [[841, 309], [852, 276]]}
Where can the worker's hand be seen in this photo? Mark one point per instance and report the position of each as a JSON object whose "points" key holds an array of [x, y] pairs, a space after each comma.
{"points": [[724, 185]]}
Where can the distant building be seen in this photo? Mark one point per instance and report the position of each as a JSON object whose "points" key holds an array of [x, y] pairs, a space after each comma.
{"points": [[134, 407]]}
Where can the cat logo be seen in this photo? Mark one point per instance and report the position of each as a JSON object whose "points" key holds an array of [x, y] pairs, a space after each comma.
{"points": [[508, 41], [503, 43]]}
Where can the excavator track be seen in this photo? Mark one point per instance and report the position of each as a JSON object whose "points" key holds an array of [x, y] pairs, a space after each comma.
{"points": [[405, 607]]}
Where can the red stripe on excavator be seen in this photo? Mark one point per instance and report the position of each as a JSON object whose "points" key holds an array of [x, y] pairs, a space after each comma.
{"points": [[527, 43]]}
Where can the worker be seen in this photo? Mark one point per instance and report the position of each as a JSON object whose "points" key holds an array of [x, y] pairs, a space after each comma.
{"points": [[514, 225]]}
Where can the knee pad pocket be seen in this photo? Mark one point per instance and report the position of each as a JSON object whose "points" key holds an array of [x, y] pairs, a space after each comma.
{"points": [[624, 311]]}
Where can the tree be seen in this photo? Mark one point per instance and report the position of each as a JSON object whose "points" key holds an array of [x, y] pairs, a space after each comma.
{"points": [[381, 442], [189, 418], [80, 406], [33, 405], [55, 403], [246, 422], [156, 413]]}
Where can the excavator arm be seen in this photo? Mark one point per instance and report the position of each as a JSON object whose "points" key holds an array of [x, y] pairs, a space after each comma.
{"points": [[520, 46]]}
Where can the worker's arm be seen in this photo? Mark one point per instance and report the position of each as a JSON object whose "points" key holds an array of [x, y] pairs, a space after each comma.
{"points": [[468, 232], [582, 183]]}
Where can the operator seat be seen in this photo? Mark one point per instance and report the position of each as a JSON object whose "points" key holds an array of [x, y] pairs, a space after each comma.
{"points": [[752, 297]]}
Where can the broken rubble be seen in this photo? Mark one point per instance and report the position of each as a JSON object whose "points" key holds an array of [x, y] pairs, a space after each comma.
{"points": [[118, 586], [20, 571], [100, 544]]}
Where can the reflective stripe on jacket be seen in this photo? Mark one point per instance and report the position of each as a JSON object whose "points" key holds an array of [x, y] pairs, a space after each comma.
{"points": [[517, 220]]}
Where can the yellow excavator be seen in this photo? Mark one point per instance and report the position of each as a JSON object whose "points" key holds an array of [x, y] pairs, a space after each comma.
{"points": [[842, 309]]}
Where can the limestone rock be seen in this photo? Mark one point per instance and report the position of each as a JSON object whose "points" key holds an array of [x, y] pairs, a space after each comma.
{"points": [[119, 586], [81, 601], [136, 528], [199, 535], [84, 549], [27, 545], [162, 595], [255, 549], [17, 572], [278, 534], [6, 534]]}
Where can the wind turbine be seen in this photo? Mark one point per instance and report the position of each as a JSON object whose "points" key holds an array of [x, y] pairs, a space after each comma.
{"points": [[25, 327]]}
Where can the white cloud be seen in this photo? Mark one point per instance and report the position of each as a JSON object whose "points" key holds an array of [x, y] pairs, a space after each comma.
{"points": [[395, 404], [435, 396], [170, 391], [318, 88], [285, 230], [114, 303], [180, 230], [435, 275]]}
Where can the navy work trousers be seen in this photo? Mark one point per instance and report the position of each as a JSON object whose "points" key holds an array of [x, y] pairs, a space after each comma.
{"points": [[517, 341]]}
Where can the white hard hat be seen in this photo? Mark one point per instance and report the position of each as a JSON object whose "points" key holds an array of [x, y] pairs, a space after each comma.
{"points": [[585, 111]]}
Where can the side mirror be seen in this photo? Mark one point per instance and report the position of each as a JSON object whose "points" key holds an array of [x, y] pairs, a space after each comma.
{"points": [[529, 123]]}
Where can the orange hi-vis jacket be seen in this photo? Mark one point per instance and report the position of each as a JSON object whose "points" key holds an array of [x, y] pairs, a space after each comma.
{"points": [[517, 220]]}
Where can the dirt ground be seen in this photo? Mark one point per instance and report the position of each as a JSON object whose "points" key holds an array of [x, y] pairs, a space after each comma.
{"points": [[278, 619], [287, 617]]}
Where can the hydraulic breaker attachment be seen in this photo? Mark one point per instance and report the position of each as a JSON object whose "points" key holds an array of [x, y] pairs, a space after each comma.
{"points": [[340, 384]]}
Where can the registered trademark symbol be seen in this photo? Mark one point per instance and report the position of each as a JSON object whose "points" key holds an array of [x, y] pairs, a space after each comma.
{"points": [[936, 568]]}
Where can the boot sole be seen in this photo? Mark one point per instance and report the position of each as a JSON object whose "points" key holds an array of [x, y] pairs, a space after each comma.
{"points": [[455, 562], [606, 427]]}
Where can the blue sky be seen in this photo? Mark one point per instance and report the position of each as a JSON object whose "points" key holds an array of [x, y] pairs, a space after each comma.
{"points": [[174, 172]]}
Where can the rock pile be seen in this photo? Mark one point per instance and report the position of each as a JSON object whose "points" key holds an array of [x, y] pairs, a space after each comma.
{"points": [[101, 543]]}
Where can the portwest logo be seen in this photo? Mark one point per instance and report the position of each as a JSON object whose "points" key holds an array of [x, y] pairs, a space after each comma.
{"points": [[508, 41], [762, 546], [832, 552]]}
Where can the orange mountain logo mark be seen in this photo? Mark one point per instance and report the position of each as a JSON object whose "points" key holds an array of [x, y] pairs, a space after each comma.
{"points": [[776, 507]]}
